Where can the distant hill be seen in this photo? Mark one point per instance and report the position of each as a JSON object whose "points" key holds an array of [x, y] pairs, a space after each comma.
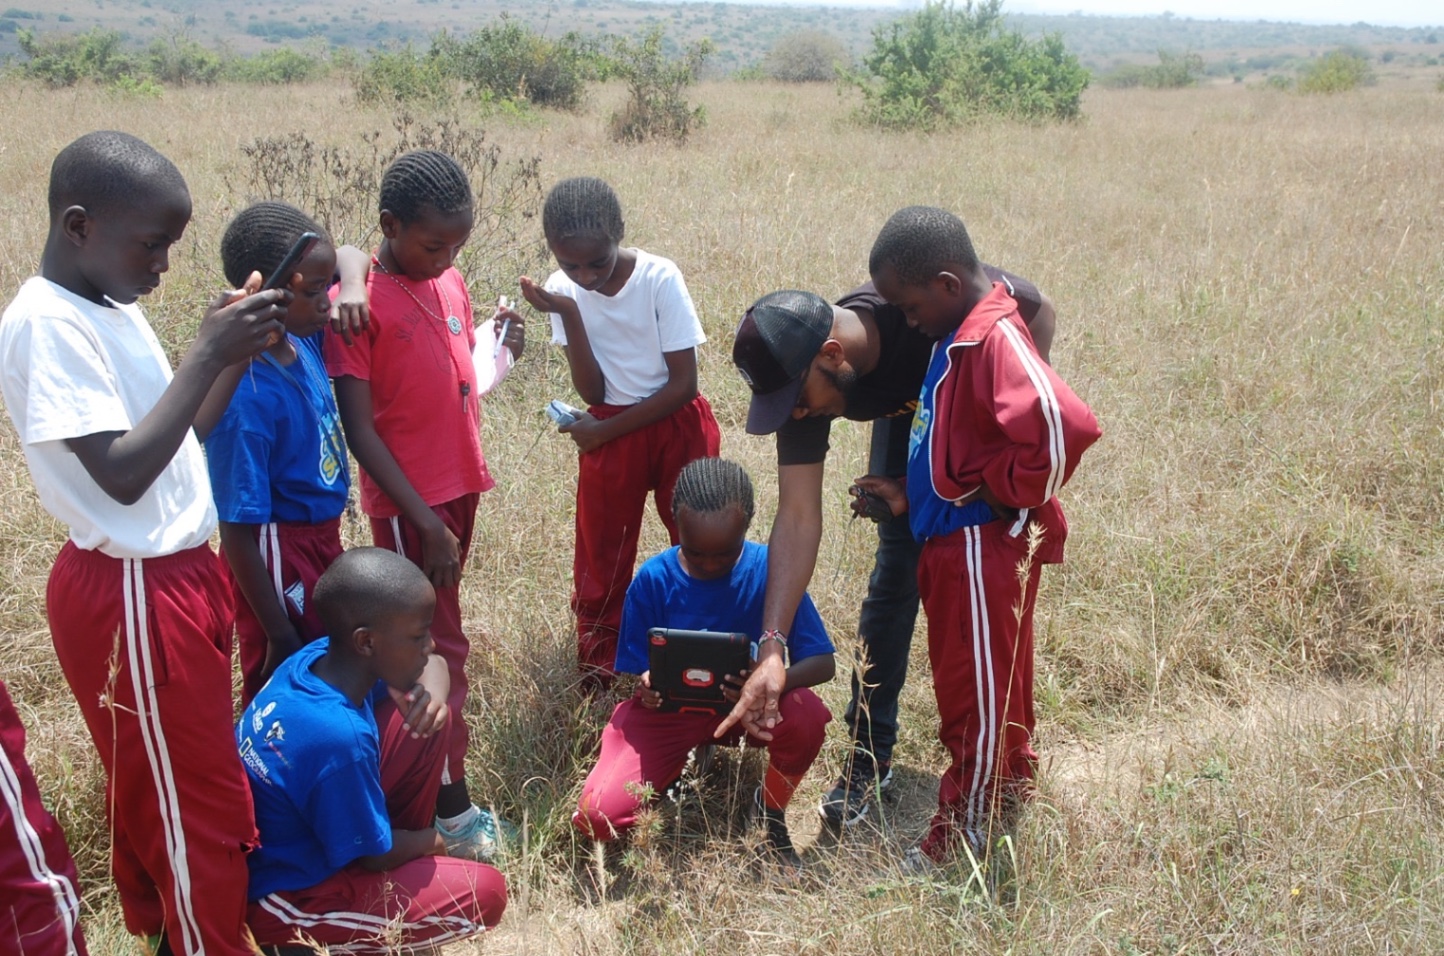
{"points": [[741, 32]]}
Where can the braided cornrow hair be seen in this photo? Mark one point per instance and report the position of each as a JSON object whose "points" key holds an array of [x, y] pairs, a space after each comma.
{"points": [[582, 208], [921, 241], [259, 238], [712, 485], [424, 178]]}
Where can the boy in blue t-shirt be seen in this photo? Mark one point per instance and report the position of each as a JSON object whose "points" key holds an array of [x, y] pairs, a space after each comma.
{"points": [[714, 580], [343, 749], [277, 458]]}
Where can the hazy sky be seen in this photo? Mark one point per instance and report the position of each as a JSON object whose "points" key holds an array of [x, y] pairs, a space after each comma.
{"points": [[1383, 12]]}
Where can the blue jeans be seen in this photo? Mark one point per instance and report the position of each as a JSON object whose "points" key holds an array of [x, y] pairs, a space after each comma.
{"points": [[890, 610]]}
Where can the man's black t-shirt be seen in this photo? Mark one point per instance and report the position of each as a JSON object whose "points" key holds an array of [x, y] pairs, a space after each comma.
{"points": [[892, 387]]}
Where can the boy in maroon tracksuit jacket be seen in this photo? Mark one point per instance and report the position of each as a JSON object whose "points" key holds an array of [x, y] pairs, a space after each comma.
{"points": [[995, 436]]}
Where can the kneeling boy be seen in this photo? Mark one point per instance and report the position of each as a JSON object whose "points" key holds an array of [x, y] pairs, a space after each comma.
{"points": [[348, 856], [714, 580]]}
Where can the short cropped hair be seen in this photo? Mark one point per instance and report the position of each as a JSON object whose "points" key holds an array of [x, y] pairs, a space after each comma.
{"points": [[424, 178], [364, 586], [107, 168], [583, 208], [918, 242], [711, 485], [259, 238]]}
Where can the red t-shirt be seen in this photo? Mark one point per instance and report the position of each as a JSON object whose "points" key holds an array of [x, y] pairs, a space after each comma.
{"points": [[416, 353]]}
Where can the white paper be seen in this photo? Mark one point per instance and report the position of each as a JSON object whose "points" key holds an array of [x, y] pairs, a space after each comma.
{"points": [[492, 365]]}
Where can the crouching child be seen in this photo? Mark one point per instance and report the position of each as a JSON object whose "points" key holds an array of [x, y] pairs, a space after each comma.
{"points": [[344, 748]]}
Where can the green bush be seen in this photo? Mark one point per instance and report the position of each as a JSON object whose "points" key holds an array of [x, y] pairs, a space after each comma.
{"points": [[1173, 71], [806, 56], [656, 106], [947, 64], [404, 76], [1335, 72], [507, 61], [95, 55], [277, 67], [181, 61]]}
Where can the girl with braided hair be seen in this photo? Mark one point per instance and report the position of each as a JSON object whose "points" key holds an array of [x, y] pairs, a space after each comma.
{"points": [[630, 332], [408, 393], [277, 458], [714, 580]]}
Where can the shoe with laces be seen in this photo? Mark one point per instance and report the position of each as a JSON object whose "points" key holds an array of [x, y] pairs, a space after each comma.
{"points": [[848, 802], [480, 839]]}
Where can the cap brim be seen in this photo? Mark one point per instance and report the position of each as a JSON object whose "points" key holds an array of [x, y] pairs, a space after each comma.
{"points": [[769, 412]]}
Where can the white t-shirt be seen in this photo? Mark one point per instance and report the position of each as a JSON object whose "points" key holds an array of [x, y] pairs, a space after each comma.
{"points": [[631, 330], [71, 368]]}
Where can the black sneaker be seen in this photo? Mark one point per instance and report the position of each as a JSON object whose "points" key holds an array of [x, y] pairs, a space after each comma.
{"points": [[847, 803]]}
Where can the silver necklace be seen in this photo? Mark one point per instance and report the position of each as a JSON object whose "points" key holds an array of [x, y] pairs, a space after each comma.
{"points": [[452, 323]]}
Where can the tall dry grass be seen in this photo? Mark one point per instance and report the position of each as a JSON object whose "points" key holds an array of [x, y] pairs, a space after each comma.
{"points": [[1236, 668]]}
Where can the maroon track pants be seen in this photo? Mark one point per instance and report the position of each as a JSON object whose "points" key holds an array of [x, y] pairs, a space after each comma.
{"points": [[612, 486], [146, 648], [39, 892], [980, 643], [425, 902]]}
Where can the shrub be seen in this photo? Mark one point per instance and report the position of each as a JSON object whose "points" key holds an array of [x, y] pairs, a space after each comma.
{"points": [[1173, 71], [277, 67], [946, 64], [66, 60], [339, 185], [806, 56], [508, 61], [656, 106], [1335, 72], [181, 61], [403, 76]]}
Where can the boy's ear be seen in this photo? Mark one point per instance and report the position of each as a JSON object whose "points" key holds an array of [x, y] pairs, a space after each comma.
{"points": [[363, 641], [75, 224], [950, 283], [389, 224]]}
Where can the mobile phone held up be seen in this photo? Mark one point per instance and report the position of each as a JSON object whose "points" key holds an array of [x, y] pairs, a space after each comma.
{"points": [[562, 413], [282, 276], [873, 506]]}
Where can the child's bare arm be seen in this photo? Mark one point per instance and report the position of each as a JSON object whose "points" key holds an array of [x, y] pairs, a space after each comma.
{"points": [[441, 552], [351, 311], [680, 389], [406, 845], [587, 376], [423, 707], [125, 464], [238, 543], [808, 672], [811, 671]]}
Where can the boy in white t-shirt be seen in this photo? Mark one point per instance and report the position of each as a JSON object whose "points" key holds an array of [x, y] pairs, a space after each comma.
{"points": [[139, 612]]}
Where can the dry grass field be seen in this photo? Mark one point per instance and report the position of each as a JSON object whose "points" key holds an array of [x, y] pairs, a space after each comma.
{"points": [[1238, 669]]}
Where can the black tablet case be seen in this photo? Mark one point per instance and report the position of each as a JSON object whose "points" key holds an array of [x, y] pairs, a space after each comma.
{"points": [[688, 667]]}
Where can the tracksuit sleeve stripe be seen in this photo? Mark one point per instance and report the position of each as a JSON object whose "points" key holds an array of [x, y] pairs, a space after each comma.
{"points": [[1048, 403]]}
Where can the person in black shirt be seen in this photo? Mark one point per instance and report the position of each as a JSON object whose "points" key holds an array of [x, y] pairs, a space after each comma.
{"points": [[807, 363]]}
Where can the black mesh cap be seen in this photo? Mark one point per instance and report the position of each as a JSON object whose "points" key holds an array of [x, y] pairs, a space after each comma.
{"points": [[775, 344]]}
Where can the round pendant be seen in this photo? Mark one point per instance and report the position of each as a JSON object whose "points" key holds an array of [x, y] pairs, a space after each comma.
{"points": [[454, 324]]}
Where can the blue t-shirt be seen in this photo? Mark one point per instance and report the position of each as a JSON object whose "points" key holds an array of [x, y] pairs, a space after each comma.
{"points": [[929, 514], [664, 595], [313, 760], [278, 452]]}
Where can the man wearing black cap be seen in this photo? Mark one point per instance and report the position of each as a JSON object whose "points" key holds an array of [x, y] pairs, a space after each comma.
{"points": [[808, 362]]}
